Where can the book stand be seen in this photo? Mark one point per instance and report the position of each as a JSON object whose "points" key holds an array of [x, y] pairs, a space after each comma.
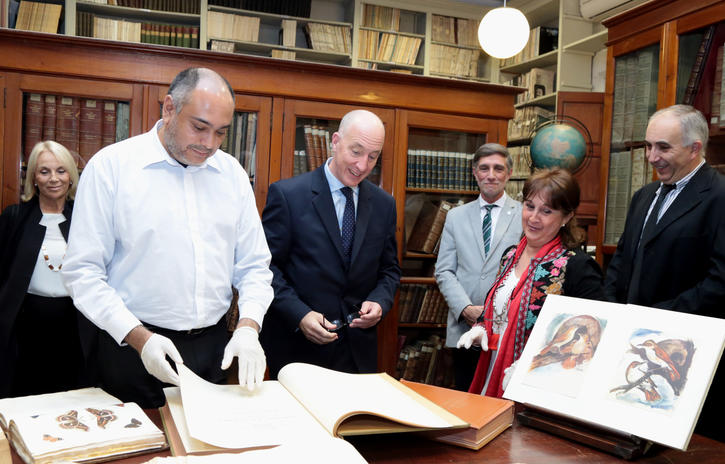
{"points": [[622, 445]]}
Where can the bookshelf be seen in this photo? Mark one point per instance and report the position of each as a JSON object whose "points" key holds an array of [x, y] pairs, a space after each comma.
{"points": [[283, 94], [669, 35], [433, 174]]}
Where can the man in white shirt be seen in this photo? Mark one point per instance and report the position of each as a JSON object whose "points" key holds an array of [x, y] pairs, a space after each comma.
{"points": [[166, 225], [474, 237]]}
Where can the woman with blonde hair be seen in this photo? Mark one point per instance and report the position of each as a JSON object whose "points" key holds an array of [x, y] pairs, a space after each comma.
{"points": [[40, 349]]}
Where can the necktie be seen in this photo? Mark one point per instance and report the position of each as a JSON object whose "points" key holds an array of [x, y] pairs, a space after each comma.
{"points": [[652, 219], [487, 228], [348, 223], [647, 231]]}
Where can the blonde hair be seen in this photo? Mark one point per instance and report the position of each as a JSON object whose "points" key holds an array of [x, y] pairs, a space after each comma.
{"points": [[62, 154]]}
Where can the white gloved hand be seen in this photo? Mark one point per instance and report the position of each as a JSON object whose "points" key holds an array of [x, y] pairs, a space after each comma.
{"points": [[244, 344], [475, 336], [507, 374], [153, 356]]}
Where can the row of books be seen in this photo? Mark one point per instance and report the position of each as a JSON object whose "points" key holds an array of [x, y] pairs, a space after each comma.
{"points": [[384, 46], [298, 8], [90, 25], [542, 40], [241, 141], [635, 94], [317, 145], [422, 304], [454, 30], [426, 361], [426, 232], [381, 17], [82, 125], [454, 61], [440, 170], [329, 38], [39, 17], [537, 82], [178, 6], [628, 172], [527, 119], [515, 189], [521, 156], [233, 26]]}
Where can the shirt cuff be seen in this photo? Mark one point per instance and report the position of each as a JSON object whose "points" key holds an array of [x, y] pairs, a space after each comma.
{"points": [[253, 311], [121, 324]]}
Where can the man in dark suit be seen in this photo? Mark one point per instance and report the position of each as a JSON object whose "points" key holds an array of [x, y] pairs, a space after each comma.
{"points": [[334, 253], [672, 252]]}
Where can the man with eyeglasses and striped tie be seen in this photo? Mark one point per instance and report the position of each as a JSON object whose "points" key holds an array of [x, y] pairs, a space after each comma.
{"points": [[474, 237]]}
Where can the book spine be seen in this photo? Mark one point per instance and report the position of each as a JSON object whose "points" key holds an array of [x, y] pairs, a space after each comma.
{"points": [[49, 118], [90, 128], [108, 125], [33, 123]]}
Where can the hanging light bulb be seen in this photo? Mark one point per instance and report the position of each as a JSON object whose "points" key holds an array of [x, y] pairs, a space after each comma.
{"points": [[503, 32]]}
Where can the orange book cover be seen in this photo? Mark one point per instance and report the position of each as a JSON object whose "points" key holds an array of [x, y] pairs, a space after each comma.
{"points": [[487, 416]]}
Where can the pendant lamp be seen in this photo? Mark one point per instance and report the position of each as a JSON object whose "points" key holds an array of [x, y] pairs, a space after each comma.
{"points": [[503, 32]]}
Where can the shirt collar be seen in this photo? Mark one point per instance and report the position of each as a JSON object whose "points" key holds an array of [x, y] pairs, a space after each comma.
{"points": [[159, 153], [500, 202], [333, 181], [680, 184]]}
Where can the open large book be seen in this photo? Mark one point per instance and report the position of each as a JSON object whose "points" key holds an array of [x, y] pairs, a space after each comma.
{"points": [[85, 425], [627, 368], [308, 403]]}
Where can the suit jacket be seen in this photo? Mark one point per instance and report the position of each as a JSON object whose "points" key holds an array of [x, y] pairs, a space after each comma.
{"points": [[683, 267], [21, 237], [463, 271], [310, 273]]}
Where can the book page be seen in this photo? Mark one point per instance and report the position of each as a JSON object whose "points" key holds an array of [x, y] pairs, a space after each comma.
{"points": [[230, 416], [637, 370], [332, 396], [38, 404]]}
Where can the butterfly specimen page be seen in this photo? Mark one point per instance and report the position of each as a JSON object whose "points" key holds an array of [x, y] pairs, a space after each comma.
{"points": [[86, 430]]}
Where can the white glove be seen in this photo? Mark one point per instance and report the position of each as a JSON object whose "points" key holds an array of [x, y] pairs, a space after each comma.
{"points": [[475, 336], [507, 374], [245, 346], [153, 356]]}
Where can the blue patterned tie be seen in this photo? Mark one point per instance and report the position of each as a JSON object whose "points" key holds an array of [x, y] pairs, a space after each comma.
{"points": [[487, 228], [348, 223]]}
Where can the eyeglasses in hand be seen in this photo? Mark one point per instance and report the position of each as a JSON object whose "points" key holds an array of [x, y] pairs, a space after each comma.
{"points": [[340, 323]]}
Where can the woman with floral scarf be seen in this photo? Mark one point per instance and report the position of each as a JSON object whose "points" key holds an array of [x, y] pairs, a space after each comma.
{"points": [[547, 260]]}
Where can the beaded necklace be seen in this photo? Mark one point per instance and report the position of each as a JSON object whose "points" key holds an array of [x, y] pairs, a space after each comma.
{"points": [[46, 258]]}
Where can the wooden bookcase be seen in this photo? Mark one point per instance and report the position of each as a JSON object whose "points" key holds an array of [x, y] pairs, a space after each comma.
{"points": [[668, 33], [283, 94]]}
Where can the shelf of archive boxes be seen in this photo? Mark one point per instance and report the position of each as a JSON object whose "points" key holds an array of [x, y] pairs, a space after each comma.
{"points": [[269, 28], [123, 12]]}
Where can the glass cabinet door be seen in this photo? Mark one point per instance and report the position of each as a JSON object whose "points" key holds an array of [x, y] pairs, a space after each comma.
{"points": [[635, 99], [308, 142], [435, 176]]}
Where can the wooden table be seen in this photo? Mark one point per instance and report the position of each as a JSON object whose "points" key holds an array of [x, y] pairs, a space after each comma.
{"points": [[517, 445]]}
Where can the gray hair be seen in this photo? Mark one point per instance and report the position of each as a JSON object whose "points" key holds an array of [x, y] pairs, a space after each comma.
{"points": [[693, 125], [187, 80], [488, 149]]}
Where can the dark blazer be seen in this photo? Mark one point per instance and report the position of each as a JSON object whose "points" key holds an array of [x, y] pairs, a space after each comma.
{"points": [[310, 273], [21, 237], [683, 267]]}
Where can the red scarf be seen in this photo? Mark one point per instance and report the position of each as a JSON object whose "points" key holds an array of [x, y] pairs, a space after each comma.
{"points": [[512, 341]]}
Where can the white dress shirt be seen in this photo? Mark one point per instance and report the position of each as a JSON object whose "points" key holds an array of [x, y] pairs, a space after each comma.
{"points": [[153, 241]]}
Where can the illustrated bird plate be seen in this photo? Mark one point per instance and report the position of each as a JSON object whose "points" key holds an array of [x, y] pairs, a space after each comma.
{"points": [[637, 370]]}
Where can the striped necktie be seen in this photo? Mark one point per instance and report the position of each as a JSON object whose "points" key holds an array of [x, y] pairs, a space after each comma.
{"points": [[487, 228]]}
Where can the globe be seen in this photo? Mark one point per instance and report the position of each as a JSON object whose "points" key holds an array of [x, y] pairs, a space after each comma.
{"points": [[558, 145]]}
